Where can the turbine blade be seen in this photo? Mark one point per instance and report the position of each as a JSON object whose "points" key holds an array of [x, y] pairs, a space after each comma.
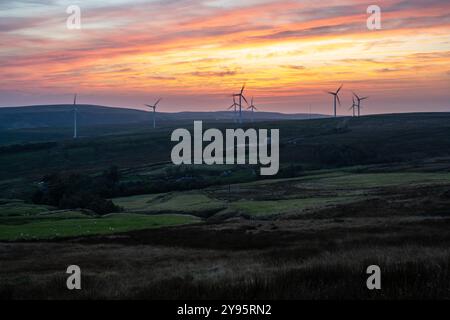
{"points": [[338, 100], [339, 88]]}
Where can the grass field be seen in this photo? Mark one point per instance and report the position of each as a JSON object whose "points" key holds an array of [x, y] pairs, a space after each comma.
{"points": [[257, 200], [19, 208], [344, 186], [189, 203], [51, 229], [257, 209], [380, 180], [337, 206]]}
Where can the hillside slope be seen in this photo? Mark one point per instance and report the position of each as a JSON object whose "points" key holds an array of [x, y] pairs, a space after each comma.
{"points": [[91, 115], [318, 143]]}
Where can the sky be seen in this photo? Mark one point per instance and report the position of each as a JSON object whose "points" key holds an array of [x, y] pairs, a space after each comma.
{"points": [[196, 53]]}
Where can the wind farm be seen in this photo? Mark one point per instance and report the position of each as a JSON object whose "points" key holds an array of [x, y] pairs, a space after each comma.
{"points": [[237, 113], [237, 108]]}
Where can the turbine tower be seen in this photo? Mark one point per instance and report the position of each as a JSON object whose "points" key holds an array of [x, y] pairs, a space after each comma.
{"points": [[234, 105], [153, 107], [336, 99], [75, 111], [359, 102], [241, 97], [353, 107], [252, 108]]}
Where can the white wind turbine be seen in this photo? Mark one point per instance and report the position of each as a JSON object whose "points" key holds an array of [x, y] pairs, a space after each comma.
{"points": [[359, 102], [252, 108], [336, 99], [234, 106], [353, 107], [154, 111], [75, 115], [241, 97]]}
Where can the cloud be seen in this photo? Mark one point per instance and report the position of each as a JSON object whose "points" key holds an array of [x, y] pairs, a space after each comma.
{"points": [[176, 45], [214, 74], [294, 67], [387, 70]]}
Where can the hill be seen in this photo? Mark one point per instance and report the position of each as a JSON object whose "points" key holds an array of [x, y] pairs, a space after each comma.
{"points": [[29, 117], [305, 145]]}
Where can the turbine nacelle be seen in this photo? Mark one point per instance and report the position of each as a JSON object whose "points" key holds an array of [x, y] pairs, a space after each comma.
{"points": [[154, 106], [252, 106], [336, 94], [359, 102]]}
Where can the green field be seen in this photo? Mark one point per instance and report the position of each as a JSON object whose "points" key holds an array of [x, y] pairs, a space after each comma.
{"points": [[189, 203], [380, 180], [294, 206], [307, 194], [339, 187], [19, 208], [111, 224]]}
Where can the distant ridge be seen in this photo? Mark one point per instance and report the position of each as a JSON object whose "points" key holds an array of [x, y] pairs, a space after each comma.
{"points": [[43, 116]]}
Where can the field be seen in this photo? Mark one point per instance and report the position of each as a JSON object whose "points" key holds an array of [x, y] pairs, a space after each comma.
{"points": [[336, 207]]}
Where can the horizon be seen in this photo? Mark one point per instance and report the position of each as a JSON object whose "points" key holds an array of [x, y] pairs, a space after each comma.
{"points": [[288, 56], [325, 115]]}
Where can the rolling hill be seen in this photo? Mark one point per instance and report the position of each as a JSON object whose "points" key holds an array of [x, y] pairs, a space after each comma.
{"points": [[315, 143], [29, 117]]}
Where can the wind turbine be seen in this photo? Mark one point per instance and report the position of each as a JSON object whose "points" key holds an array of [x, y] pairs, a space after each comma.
{"points": [[252, 108], [241, 97], [234, 105], [354, 105], [359, 102], [336, 99], [75, 111], [154, 111]]}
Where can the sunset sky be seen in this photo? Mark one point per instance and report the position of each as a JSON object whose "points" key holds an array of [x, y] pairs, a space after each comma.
{"points": [[196, 53]]}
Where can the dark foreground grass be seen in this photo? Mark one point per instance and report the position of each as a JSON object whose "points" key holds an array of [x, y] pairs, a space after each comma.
{"points": [[407, 273], [339, 275], [314, 260]]}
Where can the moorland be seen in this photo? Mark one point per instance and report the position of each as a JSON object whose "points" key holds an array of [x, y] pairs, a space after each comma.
{"points": [[351, 192]]}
